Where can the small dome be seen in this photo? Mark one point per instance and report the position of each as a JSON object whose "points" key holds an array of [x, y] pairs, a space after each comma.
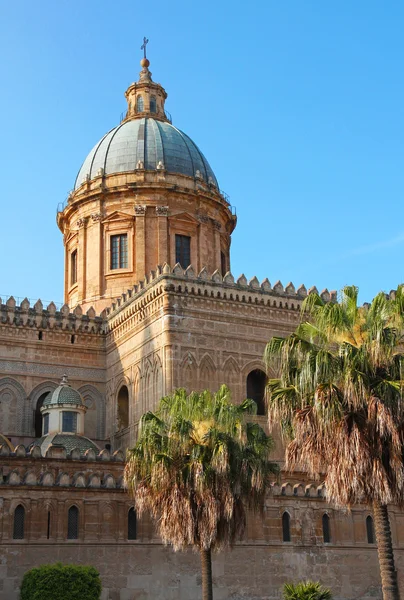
{"points": [[147, 142], [63, 394], [69, 441]]}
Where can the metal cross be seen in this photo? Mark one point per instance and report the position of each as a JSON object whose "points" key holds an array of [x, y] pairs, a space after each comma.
{"points": [[143, 47]]}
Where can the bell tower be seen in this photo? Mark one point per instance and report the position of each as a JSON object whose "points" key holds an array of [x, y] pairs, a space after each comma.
{"points": [[144, 196]]}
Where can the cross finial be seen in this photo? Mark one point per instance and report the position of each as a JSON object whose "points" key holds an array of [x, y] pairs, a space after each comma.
{"points": [[143, 46]]}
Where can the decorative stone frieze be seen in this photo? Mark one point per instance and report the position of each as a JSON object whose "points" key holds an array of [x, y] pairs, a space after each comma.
{"points": [[140, 210], [162, 211]]}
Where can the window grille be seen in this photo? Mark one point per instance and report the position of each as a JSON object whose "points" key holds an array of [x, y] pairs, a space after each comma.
{"points": [[19, 523], [73, 523], [139, 104], [46, 424], [69, 421], [73, 267], [326, 529], [132, 524], [153, 104], [183, 250], [370, 531], [286, 527], [119, 251]]}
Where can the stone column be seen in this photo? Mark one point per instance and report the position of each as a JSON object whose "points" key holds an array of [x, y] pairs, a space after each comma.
{"points": [[82, 258], [216, 229], [162, 232], [140, 240]]}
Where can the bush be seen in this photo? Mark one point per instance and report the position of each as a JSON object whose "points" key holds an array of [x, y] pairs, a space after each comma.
{"points": [[54, 582], [306, 590]]}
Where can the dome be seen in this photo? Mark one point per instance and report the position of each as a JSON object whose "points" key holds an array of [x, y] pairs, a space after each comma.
{"points": [[69, 441], [146, 143], [63, 394]]}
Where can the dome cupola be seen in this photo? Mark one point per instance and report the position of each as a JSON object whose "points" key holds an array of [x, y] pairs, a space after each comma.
{"points": [[144, 196], [63, 410]]}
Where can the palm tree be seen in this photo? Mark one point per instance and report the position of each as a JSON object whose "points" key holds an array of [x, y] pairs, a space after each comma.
{"points": [[196, 468], [339, 400], [306, 590]]}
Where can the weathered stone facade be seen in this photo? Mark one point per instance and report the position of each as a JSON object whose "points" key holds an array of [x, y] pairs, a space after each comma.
{"points": [[160, 327]]}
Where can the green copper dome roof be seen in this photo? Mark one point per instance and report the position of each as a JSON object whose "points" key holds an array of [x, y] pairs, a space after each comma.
{"points": [[69, 441], [63, 394], [149, 144]]}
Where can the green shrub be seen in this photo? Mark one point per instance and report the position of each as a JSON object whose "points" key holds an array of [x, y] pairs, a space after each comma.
{"points": [[57, 582], [306, 590]]}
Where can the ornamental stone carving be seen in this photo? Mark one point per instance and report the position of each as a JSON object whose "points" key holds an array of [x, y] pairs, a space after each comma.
{"points": [[140, 210], [162, 211], [96, 217], [81, 222], [216, 224]]}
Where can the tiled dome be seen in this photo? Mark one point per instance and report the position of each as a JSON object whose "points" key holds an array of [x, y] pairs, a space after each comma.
{"points": [[146, 143], [69, 441], [63, 394]]}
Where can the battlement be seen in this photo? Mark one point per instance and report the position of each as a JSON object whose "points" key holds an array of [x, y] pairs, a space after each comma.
{"points": [[225, 287], [59, 468], [38, 317]]}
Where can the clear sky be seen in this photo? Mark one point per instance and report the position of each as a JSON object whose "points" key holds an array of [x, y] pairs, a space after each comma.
{"points": [[297, 104]]}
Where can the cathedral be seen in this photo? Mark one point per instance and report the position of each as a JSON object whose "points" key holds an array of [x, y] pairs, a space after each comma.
{"points": [[151, 304]]}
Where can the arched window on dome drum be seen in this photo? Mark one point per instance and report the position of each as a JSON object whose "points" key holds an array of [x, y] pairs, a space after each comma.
{"points": [[183, 250], [286, 527], [132, 524], [73, 267], [223, 263], [123, 408], [38, 415], [73, 523], [19, 523], [370, 530], [45, 429], [326, 529], [153, 104], [139, 104], [256, 382], [69, 421]]}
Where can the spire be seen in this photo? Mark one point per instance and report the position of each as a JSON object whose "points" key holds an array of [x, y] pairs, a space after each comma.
{"points": [[146, 98]]}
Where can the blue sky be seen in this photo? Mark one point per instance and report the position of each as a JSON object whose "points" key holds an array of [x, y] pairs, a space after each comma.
{"points": [[298, 106]]}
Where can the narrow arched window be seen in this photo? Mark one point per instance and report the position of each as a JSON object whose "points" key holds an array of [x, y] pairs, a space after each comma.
{"points": [[256, 381], [132, 524], [48, 530], [153, 104], [73, 523], [123, 408], [326, 529], [370, 530], [139, 104], [19, 523], [73, 267], [45, 429], [286, 527]]}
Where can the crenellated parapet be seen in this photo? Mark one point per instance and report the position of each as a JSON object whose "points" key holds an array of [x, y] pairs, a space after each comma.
{"points": [[59, 468], [138, 301], [39, 317]]}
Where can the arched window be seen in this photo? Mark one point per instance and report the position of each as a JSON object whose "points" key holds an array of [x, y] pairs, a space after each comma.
{"points": [[19, 523], [123, 408], [49, 525], [45, 428], [286, 527], [370, 530], [153, 104], [132, 524], [326, 529], [256, 381], [139, 104], [73, 523], [38, 415]]}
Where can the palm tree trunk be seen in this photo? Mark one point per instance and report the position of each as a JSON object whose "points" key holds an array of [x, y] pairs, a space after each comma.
{"points": [[385, 551], [206, 560]]}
